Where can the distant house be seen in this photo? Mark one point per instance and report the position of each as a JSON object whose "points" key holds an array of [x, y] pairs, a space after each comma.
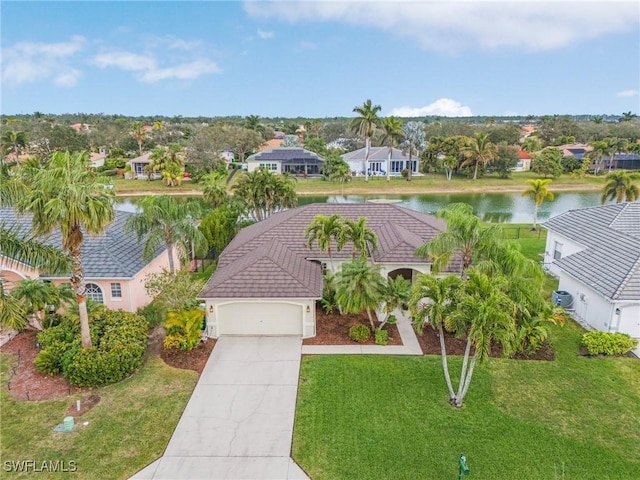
{"points": [[138, 165], [79, 127], [595, 253], [96, 160], [377, 161], [114, 269], [271, 144], [623, 161], [524, 162], [292, 160]]}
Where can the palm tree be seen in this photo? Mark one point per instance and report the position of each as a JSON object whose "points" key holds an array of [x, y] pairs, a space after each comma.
{"points": [[68, 196], [538, 193], [264, 192], [391, 135], [359, 286], [342, 174], [599, 150], [12, 142], [414, 142], [365, 126], [619, 186], [465, 236], [164, 221], [360, 235], [323, 230], [139, 133], [431, 303], [627, 116], [12, 311], [484, 314], [214, 187], [395, 295], [36, 294], [614, 146], [480, 151]]}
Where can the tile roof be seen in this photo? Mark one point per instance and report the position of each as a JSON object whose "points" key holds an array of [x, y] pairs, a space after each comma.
{"points": [[376, 154], [610, 262], [286, 155], [271, 258], [114, 254]]}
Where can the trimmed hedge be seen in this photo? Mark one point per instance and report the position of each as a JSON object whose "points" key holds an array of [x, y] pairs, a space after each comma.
{"points": [[119, 341], [359, 333], [608, 343]]}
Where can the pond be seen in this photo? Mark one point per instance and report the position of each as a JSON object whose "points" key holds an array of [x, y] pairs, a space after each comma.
{"points": [[494, 207]]}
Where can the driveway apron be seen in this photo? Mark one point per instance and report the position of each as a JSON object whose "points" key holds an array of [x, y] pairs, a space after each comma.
{"points": [[238, 423]]}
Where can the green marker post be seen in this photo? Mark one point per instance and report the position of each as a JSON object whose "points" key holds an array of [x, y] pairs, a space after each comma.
{"points": [[464, 470]]}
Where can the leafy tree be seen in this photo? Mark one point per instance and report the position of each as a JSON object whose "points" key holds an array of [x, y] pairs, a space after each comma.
{"points": [[414, 142], [532, 145], [547, 162], [169, 161], [365, 126], [264, 192], [509, 133], [290, 141], [243, 141], [323, 230], [70, 197], [506, 160], [316, 145], [62, 138], [466, 236], [449, 164], [359, 287], [174, 290], [204, 149], [252, 122], [481, 151], [431, 303], [619, 186], [221, 224], [539, 193], [165, 221], [391, 134], [361, 236]]}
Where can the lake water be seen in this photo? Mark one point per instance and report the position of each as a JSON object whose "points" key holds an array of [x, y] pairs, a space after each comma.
{"points": [[494, 207]]}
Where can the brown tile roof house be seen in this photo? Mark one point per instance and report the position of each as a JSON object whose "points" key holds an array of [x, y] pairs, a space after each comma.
{"points": [[269, 262]]}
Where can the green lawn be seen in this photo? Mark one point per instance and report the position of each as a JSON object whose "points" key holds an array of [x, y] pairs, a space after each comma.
{"points": [[127, 430], [373, 417], [132, 187]]}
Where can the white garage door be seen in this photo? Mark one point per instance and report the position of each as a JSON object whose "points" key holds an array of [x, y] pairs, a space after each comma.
{"points": [[259, 319]]}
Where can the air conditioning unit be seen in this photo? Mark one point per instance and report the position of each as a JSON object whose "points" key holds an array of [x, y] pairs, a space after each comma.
{"points": [[561, 298]]}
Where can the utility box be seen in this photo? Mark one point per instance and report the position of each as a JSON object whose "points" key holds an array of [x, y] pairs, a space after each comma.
{"points": [[560, 298]]}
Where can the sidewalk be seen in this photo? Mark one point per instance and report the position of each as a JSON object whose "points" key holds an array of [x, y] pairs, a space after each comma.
{"points": [[410, 345]]}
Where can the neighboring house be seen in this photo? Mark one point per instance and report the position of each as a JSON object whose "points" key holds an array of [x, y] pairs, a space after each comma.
{"points": [[524, 162], [114, 269], [268, 280], [292, 160], [271, 144], [595, 253], [81, 127], [378, 161], [622, 161], [138, 165], [96, 160]]}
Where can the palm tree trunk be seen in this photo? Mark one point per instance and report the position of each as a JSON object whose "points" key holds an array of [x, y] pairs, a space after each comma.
{"points": [[366, 158], [463, 373], [445, 365], [77, 282], [410, 163], [172, 267], [475, 172], [535, 217], [467, 380], [389, 164], [373, 327]]}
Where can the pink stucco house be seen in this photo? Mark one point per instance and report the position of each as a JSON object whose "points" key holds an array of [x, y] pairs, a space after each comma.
{"points": [[114, 269]]}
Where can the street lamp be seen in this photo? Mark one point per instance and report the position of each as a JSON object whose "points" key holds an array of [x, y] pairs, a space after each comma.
{"points": [[464, 470]]}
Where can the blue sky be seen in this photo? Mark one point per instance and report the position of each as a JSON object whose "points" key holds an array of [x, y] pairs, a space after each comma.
{"points": [[320, 59]]}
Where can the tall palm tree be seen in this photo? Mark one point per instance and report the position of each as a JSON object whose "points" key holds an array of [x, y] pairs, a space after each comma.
{"points": [[599, 150], [69, 197], [431, 303], [165, 221], [484, 313], [12, 142], [264, 192], [322, 231], [360, 235], [465, 237], [614, 145], [359, 286], [480, 151], [365, 126], [139, 133], [539, 193], [619, 186], [391, 135], [214, 187], [414, 143]]}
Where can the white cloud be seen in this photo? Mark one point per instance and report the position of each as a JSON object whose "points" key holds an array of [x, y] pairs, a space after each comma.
{"points": [[27, 62], [627, 93], [264, 34], [148, 70], [455, 25], [443, 107]]}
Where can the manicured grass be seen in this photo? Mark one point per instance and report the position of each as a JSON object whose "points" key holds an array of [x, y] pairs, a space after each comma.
{"points": [[127, 430], [437, 183], [132, 187], [372, 417]]}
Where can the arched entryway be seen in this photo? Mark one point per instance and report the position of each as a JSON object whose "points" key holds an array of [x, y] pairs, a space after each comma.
{"points": [[407, 273]]}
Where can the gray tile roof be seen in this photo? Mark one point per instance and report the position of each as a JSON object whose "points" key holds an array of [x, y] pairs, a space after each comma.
{"points": [[610, 262], [271, 258], [287, 155], [376, 154], [113, 254]]}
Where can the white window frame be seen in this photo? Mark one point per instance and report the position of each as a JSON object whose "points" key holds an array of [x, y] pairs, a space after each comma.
{"points": [[116, 290], [94, 292], [557, 250]]}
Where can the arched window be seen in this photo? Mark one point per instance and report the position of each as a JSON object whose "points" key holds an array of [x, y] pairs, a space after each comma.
{"points": [[94, 292]]}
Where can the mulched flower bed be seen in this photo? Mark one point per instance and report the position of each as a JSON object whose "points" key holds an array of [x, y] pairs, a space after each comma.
{"points": [[194, 359], [430, 344], [333, 329]]}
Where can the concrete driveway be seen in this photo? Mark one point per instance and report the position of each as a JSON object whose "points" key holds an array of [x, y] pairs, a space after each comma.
{"points": [[238, 423]]}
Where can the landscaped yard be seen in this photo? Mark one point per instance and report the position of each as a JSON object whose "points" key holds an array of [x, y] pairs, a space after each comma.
{"points": [[128, 429], [374, 417]]}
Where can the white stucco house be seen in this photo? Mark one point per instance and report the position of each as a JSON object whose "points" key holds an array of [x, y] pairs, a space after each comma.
{"points": [[377, 161], [291, 160], [268, 279], [595, 253]]}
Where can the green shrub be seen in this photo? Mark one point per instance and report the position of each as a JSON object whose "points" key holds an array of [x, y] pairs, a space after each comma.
{"points": [[359, 333], [382, 337], [154, 314], [404, 173], [184, 328], [608, 343]]}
